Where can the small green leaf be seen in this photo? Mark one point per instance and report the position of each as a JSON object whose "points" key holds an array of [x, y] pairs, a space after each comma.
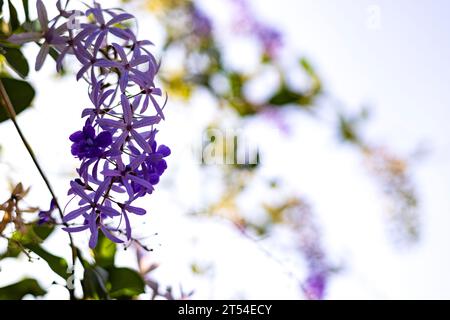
{"points": [[30, 240], [105, 252], [307, 67], [57, 264], [347, 130], [17, 61], [285, 96], [20, 92], [13, 19], [32, 234], [94, 283], [125, 283], [43, 231], [12, 251], [20, 289]]}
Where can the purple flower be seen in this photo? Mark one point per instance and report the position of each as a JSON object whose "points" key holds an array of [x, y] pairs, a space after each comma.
{"points": [[52, 35], [128, 125], [149, 91], [86, 144], [99, 98], [45, 216], [88, 61], [126, 67], [98, 32], [127, 175], [93, 211]]}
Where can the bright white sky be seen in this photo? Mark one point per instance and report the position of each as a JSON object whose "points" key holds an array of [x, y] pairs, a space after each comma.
{"points": [[399, 68]]}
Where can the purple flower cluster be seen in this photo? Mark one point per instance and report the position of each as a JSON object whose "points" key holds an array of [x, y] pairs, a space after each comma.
{"points": [[120, 160]]}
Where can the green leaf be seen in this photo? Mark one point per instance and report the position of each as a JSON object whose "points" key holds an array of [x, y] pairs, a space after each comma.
{"points": [[347, 130], [30, 240], [307, 67], [94, 283], [12, 251], [26, 9], [13, 19], [57, 264], [1, 6], [20, 289], [125, 283], [43, 231], [17, 61], [236, 81], [105, 252], [20, 92], [33, 234], [285, 96]]}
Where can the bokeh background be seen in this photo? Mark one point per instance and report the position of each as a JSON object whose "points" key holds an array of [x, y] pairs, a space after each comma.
{"points": [[349, 198]]}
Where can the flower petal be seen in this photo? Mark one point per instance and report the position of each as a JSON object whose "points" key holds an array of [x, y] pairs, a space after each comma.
{"points": [[75, 213], [42, 55], [141, 141], [22, 38], [109, 235], [42, 15], [76, 229]]}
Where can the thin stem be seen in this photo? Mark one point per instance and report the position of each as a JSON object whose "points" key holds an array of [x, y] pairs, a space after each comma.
{"points": [[12, 115]]}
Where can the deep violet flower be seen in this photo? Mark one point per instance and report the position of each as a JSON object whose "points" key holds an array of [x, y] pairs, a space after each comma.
{"points": [[86, 144], [120, 160], [45, 216]]}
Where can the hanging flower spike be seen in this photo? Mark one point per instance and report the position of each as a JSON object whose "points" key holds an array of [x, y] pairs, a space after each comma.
{"points": [[116, 147]]}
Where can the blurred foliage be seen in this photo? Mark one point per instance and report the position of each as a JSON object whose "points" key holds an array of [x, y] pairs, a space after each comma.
{"points": [[191, 33], [13, 63], [20, 289]]}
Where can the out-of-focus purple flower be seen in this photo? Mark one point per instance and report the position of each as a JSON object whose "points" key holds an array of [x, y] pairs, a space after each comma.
{"points": [[275, 115], [314, 286], [319, 269], [45, 216], [201, 24], [86, 144], [270, 38]]}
